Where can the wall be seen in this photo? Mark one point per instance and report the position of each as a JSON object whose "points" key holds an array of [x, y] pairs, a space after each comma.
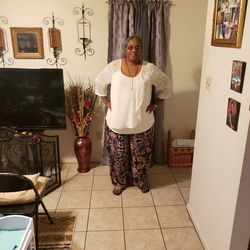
{"points": [[219, 151], [184, 56]]}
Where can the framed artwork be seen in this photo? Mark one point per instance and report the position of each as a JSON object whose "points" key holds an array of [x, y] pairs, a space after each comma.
{"points": [[228, 23], [233, 112], [238, 74], [27, 43]]}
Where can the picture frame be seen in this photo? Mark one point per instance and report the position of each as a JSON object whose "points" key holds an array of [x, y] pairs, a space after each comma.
{"points": [[27, 43], [238, 75], [233, 112], [228, 23]]}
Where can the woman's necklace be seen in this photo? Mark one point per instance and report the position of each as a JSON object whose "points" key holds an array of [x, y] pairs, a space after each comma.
{"points": [[131, 75]]}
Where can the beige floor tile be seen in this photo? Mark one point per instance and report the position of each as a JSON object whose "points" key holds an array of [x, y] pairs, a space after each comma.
{"points": [[78, 182], [144, 239], [101, 170], [167, 196], [181, 170], [162, 181], [74, 199], [140, 218], [102, 182], [159, 169], [51, 200], [135, 198], [104, 198], [105, 219], [105, 240], [73, 170], [185, 192], [78, 241], [81, 220], [183, 179], [182, 238], [173, 216]]}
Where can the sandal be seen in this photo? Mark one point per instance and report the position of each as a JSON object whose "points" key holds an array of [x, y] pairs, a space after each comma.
{"points": [[118, 190]]}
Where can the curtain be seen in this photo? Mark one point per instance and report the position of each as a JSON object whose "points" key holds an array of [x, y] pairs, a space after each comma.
{"points": [[147, 19]]}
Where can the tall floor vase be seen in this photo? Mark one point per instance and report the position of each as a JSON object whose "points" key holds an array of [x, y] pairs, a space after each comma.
{"points": [[82, 147]]}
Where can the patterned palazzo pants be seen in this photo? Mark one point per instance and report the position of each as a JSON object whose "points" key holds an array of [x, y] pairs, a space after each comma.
{"points": [[130, 158]]}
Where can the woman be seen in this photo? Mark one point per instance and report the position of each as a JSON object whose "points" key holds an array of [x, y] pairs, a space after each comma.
{"points": [[130, 116]]}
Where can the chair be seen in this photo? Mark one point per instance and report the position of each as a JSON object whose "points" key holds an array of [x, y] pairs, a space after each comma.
{"points": [[10, 183]]}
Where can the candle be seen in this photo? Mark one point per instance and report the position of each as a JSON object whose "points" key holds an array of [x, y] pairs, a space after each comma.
{"points": [[55, 38], [2, 43]]}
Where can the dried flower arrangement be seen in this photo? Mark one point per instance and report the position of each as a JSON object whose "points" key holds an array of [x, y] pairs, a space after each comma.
{"points": [[80, 100]]}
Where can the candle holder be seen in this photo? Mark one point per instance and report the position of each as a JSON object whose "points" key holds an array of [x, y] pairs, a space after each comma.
{"points": [[55, 43], [84, 32], [4, 44]]}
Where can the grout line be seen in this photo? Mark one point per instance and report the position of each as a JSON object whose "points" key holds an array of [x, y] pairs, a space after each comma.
{"points": [[90, 198], [158, 220], [123, 222]]}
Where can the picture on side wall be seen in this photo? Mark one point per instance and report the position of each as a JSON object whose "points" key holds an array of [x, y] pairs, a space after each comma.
{"points": [[233, 111], [27, 43], [228, 23], [238, 74]]}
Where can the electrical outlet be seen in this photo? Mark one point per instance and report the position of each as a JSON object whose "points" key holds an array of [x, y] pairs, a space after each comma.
{"points": [[209, 82]]}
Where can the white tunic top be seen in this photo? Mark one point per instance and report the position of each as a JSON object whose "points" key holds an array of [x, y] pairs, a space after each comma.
{"points": [[130, 96]]}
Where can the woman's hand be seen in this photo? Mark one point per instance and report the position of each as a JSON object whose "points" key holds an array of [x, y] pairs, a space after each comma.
{"points": [[151, 107], [106, 102]]}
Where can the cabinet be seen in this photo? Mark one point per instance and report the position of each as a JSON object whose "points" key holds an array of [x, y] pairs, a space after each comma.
{"points": [[29, 154]]}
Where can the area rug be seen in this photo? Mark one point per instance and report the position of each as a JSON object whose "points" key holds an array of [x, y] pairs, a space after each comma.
{"points": [[58, 235]]}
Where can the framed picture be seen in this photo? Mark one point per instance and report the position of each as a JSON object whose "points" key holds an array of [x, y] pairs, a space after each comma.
{"points": [[233, 112], [27, 43], [228, 23], [238, 74]]}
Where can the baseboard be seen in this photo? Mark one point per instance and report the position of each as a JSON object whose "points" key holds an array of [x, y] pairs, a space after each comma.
{"points": [[197, 227]]}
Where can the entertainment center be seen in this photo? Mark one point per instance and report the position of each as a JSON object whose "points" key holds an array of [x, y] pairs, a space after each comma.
{"points": [[31, 101]]}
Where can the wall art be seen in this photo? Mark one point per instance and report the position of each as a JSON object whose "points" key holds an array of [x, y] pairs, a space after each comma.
{"points": [[228, 23], [238, 74], [233, 112], [27, 43]]}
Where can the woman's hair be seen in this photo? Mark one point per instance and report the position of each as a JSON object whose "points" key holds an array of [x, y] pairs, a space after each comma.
{"points": [[132, 38]]}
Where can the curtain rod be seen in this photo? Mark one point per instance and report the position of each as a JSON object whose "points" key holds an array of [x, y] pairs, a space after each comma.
{"points": [[140, 1]]}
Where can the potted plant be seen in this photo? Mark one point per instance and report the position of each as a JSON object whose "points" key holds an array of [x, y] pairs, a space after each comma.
{"points": [[80, 100]]}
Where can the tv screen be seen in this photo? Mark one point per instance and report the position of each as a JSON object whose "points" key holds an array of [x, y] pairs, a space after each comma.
{"points": [[32, 99]]}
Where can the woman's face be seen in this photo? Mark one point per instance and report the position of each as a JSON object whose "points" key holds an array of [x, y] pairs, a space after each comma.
{"points": [[133, 50]]}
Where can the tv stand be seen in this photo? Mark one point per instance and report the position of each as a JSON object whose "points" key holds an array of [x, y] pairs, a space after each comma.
{"points": [[29, 154]]}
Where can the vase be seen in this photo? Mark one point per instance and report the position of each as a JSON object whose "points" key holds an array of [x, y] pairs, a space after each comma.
{"points": [[82, 147]]}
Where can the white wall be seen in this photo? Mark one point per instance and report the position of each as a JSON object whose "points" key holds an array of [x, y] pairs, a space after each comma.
{"points": [[219, 151], [186, 36]]}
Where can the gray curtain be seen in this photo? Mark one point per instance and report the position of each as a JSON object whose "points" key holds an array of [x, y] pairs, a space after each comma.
{"points": [[147, 19]]}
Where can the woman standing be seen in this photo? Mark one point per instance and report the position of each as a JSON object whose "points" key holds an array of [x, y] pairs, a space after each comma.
{"points": [[130, 119]]}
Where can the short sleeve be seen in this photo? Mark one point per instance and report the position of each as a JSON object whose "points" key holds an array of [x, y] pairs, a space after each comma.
{"points": [[103, 79], [162, 83]]}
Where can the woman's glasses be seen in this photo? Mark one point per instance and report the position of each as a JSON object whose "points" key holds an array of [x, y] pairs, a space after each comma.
{"points": [[131, 47]]}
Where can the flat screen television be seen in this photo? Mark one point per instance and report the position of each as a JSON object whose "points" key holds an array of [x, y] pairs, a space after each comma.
{"points": [[32, 99]]}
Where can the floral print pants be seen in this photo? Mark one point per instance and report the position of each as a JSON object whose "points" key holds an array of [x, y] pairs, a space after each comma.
{"points": [[130, 157]]}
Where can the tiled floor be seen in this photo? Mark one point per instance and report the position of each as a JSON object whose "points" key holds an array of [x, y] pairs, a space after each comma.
{"points": [[157, 220]]}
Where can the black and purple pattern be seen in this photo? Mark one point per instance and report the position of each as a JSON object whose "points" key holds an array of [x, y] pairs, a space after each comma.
{"points": [[130, 158]]}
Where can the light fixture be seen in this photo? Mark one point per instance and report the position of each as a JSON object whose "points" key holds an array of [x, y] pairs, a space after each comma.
{"points": [[55, 42], [84, 32], [3, 44]]}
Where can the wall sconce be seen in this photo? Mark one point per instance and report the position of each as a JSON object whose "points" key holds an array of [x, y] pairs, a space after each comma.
{"points": [[55, 42], [84, 32], [3, 44]]}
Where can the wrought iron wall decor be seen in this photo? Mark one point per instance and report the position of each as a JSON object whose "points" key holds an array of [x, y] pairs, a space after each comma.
{"points": [[55, 42], [84, 31], [4, 44]]}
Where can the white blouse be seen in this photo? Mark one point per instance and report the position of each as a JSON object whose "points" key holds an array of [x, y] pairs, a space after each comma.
{"points": [[130, 96]]}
